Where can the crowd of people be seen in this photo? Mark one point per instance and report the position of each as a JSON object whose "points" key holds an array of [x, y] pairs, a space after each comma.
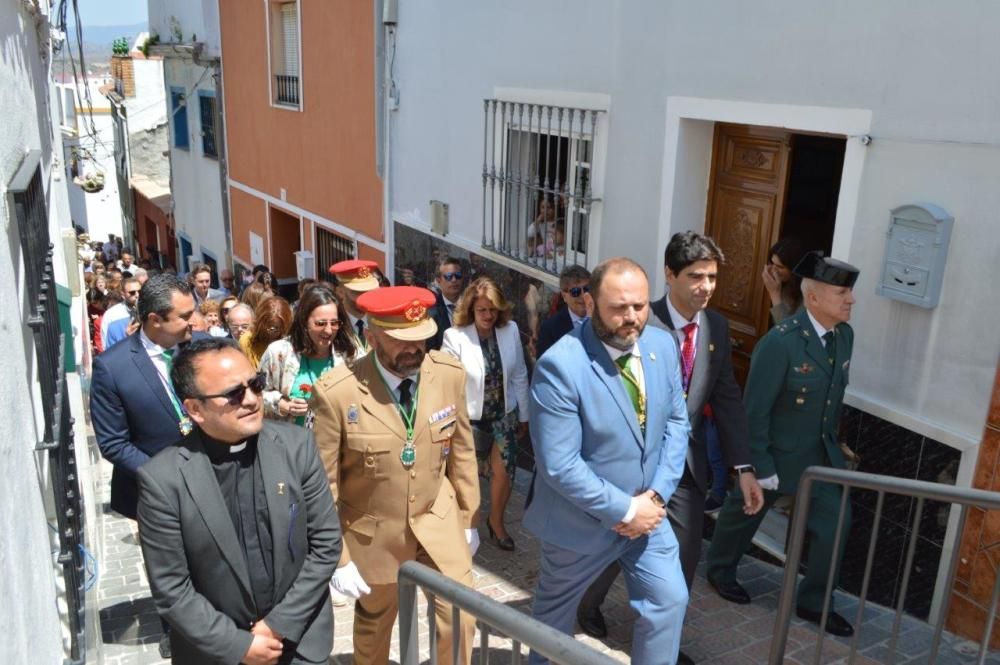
{"points": [[280, 457]]}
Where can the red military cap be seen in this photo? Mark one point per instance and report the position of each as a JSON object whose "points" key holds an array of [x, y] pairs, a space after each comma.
{"points": [[401, 311], [356, 274]]}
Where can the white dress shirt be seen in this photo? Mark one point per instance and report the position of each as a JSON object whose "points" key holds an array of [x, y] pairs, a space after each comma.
{"points": [[155, 353]]}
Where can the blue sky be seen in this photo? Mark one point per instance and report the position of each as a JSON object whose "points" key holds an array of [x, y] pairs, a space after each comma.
{"points": [[112, 12]]}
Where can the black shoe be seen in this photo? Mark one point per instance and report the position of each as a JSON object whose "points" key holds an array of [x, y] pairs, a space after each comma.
{"points": [[731, 591], [835, 624], [592, 622], [684, 659], [165, 646], [506, 544]]}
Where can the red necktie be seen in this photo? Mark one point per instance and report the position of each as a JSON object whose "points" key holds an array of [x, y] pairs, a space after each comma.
{"points": [[687, 353]]}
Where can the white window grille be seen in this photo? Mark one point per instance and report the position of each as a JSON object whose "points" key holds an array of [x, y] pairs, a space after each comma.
{"points": [[538, 182]]}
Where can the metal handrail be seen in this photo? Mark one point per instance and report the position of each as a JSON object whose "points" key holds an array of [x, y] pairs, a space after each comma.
{"points": [[547, 641], [919, 489]]}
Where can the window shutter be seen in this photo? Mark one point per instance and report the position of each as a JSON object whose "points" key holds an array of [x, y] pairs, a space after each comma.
{"points": [[290, 37]]}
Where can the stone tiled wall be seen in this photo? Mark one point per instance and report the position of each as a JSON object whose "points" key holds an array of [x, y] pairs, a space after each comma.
{"points": [[980, 549], [888, 449]]}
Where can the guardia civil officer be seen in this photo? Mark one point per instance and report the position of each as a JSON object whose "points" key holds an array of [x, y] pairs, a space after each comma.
{"points": [[394, 435], [798, 374]]}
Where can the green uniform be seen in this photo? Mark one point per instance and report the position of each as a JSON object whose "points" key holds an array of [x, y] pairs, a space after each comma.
{"points": [[793, 398]]}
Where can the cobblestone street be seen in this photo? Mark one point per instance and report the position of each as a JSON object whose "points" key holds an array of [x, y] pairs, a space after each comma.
{"points": [[716, 631]]}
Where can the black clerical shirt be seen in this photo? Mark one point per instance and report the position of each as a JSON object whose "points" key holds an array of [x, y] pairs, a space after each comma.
{"points": [[238, 473]]}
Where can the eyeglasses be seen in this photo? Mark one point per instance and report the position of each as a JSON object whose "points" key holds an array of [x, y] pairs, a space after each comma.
{"points": [[333, 323], [235, 396], [132, 293], [577, 291], [451, 276], [242, 327]]}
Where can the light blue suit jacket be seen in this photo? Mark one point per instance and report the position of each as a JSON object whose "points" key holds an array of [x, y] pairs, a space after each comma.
{"points": [[590, 452]]}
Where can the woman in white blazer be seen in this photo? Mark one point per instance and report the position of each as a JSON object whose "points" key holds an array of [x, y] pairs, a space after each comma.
{"points": [[487, 342]]}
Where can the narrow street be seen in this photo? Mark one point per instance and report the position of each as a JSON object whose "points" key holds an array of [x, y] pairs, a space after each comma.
{"points": [[715, 632]]}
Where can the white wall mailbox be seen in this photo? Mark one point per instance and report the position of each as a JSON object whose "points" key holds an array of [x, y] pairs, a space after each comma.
{"points": [[304, 265], [915, 251]]}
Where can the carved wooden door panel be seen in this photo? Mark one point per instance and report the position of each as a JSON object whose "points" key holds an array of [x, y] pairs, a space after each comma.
{"points": [[745, 203]]}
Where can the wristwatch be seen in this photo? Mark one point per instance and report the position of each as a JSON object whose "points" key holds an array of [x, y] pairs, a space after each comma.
{"points": [[746, 469], [658, 500]]}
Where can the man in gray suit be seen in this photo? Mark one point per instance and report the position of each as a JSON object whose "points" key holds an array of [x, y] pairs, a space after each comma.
{"points": [[238, 528], [691, 266]]}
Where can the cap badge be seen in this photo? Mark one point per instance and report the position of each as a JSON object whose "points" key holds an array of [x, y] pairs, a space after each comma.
{"points": [[364, 272], [415, 311]]}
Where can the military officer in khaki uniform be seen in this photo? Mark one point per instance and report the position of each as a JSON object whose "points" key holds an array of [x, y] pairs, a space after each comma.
{"points": [[798, 375], [355, 277], [394, 437]]}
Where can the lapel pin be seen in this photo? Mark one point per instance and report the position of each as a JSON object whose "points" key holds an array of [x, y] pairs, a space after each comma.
{"points": [[711, 347], [806, 333], [281, 488], [652, 356]]}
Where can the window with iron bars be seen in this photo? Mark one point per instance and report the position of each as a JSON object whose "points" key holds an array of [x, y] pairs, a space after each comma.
{"points": [[538, 182], [331, 248]]}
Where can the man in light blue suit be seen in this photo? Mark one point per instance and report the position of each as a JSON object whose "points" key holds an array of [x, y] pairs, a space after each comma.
{"points": [[610, 430]]}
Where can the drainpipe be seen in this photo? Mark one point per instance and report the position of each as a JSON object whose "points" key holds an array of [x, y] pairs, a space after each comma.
{"points": [[390, 102]]}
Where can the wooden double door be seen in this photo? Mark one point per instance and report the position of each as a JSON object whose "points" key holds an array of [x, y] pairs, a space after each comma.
{"points": [[757, 190]]}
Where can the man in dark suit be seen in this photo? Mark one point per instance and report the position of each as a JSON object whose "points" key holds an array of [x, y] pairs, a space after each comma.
{"points": [[450, 282], [574, 282], [239, 533], [132, 404], [133, 407], [691, 264]]}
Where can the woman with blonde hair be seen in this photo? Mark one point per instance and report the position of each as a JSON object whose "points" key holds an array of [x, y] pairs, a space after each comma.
{"points": [[271, 321], [488, 344], [255, 294]]}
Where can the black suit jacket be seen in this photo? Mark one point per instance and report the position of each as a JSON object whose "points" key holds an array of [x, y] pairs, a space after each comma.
{"points": [[552, 329], [440, 315], [197, 570], [713, 383], [132, 415]]}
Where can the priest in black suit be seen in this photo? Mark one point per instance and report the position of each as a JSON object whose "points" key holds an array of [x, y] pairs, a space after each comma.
{"points": [[691, 265], [574, 282], [238, 528]]}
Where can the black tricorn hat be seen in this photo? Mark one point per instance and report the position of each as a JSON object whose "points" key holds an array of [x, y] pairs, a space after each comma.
{"points": [[826, 270]]}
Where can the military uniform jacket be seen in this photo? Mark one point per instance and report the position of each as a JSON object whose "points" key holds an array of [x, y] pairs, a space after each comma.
{"points": [[793, 398], [382, 504]]}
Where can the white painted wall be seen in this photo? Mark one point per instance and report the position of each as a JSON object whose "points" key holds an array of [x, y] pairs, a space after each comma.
{"points": [[28, 598], [99, 213], [195, 179], [147, 109], [199, 19], [920, 69]]}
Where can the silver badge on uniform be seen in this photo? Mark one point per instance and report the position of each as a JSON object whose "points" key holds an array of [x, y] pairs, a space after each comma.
{"points": [[352, 414]]}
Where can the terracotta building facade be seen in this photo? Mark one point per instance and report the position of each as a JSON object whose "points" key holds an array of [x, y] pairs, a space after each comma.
{"points": [[300, 118]]}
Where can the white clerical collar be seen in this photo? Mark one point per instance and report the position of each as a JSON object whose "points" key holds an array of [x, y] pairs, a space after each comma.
{"points": [[677, 318], [238, 448], [391, 379], [820, 330], [616, 353]]}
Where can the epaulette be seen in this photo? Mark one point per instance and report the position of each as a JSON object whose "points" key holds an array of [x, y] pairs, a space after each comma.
{"points": [[334, 376], [442, 358], [789, 325]]}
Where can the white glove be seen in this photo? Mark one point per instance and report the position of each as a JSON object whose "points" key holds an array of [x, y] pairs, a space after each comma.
{"points": [[769, 483], [472, 538], [347, 580]]}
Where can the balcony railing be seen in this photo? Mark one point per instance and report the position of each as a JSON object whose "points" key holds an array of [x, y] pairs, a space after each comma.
{"points": [[287, 89]]}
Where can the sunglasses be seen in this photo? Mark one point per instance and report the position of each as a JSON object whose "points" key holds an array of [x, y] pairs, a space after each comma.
{"points": [[235, 396], [451, 276], [577, 291], [132, 293]]}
